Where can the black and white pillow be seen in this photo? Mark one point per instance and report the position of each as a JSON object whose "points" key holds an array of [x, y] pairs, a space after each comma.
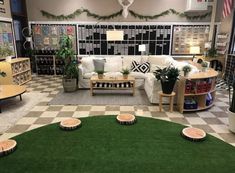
{"points": [[143, 68]]}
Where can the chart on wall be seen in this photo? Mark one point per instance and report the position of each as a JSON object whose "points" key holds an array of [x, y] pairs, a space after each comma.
{"points": [[6, 39], [46, 37], [185, 36], [92, 40]]}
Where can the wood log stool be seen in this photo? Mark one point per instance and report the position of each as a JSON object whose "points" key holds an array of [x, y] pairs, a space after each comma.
{"points": [[7, 147], [70, 124], [126, 119], [194, 134], [171, 100]]}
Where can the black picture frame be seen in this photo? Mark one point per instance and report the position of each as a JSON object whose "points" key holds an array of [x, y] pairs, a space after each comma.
{"points": [[1, 2]]}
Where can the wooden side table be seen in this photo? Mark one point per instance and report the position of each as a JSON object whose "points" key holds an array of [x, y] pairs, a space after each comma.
{"points": [[171, 99]]}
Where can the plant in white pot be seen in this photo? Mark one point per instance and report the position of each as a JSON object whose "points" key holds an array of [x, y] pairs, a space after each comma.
{"points": [[186, 69], [231, 110], [125, 73], [70, 75]]}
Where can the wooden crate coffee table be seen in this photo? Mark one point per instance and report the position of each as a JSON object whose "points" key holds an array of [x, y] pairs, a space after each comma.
{"points": [[112, 83]]}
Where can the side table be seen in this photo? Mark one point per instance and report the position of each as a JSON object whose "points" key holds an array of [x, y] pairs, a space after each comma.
{"points": [[171, 99]]}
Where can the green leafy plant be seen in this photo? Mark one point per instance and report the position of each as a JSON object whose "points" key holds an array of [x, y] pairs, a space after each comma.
{"points": [[5, 51], [67, 53], [186, 68], [212, 53], [2, 74], [167, 74], [125, 71]]}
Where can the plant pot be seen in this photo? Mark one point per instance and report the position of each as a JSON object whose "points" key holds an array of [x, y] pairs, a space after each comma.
{"points": [[204, 69], [69, 85], [100, 76], [186, 74], [231, 121], [125, 76], [168, 86]]}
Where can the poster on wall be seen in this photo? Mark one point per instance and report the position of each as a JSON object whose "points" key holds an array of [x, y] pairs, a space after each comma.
{"points": [[6, 40], [185, 36], [46, 38]]}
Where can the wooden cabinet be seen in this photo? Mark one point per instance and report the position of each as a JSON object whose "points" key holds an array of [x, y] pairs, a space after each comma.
{"points": [[18, 71], [197, 91]]}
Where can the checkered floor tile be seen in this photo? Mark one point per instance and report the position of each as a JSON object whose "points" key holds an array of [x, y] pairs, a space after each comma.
{"points": [[214, 121]]}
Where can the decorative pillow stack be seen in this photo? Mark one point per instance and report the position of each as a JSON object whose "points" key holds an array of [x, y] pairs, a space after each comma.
{"points": [[137, 67]]}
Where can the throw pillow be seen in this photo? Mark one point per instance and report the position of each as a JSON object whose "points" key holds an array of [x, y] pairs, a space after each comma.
{"points": [[143, 68], [99, 64]]}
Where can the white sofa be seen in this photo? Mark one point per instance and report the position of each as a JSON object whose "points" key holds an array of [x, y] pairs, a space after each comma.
{"points": [[115, 64]]}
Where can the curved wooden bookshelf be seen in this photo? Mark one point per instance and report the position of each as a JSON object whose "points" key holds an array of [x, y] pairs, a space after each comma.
{"points": [[199, 97]]}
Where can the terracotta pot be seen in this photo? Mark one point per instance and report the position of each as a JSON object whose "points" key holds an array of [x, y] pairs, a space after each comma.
{"points": [[100, 76], [125, 76]]}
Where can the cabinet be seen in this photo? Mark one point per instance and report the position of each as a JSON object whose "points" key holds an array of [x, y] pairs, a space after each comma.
{"points": [[197, 91], [17, 71], [49, 65]]}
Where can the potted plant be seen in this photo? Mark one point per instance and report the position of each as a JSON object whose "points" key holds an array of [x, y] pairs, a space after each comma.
{"points": [[211, 53], [168, 77], [186, 69], [231, 109], [204, 65], [125, 73], [67, 54], [100, 74], [6, 52]]}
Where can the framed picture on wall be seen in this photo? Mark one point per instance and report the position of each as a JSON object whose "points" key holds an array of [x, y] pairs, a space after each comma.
{"points": [[1, 2]]}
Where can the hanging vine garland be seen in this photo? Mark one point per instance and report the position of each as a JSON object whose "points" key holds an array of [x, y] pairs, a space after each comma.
{"points": [[78, 12]]}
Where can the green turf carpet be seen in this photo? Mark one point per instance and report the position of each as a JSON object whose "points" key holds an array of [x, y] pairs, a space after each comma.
{"points": [[102, 145]]}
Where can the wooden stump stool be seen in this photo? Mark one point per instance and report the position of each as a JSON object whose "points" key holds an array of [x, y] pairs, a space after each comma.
{"points": [[194, 134], [7, 147], [70, 124], [171, 98], [126, 119]]}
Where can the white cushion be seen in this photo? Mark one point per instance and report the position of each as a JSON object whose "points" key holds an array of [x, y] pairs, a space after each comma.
{"points": [[87, 64], [113, 64], [159, 61], [138, 75], [127, 60], [89, 75]]}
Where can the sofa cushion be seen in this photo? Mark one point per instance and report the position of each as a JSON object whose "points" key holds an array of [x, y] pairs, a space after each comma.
{"points": [[99, 64], [113, 64], [87, 64], [143, 68], [159, 61], [127, 60]]}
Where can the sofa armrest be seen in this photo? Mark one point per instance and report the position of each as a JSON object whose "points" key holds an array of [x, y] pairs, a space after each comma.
{"points": [[81, 71]]}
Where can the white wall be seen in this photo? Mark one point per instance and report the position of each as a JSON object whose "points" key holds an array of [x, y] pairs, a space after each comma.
{"points": [[106, 7]]}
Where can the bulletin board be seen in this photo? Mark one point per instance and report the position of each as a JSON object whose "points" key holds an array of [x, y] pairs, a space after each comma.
{"points": [[185, 36], [46, 37], [6, 36]]}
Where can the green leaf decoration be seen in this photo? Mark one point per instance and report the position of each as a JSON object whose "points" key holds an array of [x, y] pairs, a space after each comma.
{"points": [[78, 12]]}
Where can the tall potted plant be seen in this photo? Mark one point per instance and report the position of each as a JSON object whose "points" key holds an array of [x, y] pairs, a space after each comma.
{"points": [[231, 109], [70, 75], [168, 77]]}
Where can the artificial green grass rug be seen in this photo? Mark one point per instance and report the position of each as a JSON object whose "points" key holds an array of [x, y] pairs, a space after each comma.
{"points": [[103, 145]]}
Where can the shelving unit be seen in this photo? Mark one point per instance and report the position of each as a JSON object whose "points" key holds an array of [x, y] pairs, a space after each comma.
{"points": [[199, 89], [221, 43], [49, 65], [17, 71]]}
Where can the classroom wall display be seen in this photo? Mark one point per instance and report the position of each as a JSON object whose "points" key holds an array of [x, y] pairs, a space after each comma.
{"points": [[92, 39], [6, 39], [185, 36], [46, 37]]}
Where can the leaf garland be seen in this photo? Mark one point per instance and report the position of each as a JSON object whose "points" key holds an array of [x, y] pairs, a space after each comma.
{"points": [[167, 12], [78, 12]]}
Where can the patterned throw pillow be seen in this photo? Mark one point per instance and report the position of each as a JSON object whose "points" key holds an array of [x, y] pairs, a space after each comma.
{"points": [[143, 68]]}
